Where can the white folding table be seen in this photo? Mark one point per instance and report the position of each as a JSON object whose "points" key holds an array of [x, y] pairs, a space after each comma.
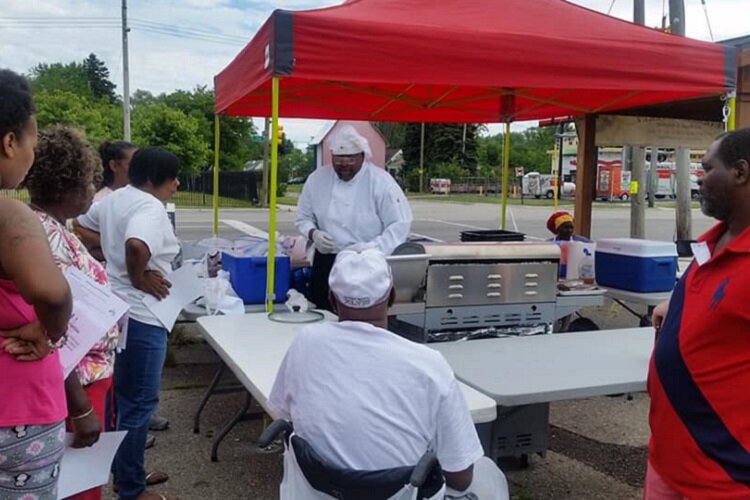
{"points": [[524, 374], [650, 300], [253, 346]]}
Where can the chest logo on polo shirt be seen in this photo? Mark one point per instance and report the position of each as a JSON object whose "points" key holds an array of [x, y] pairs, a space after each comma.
{"points": [[719, 294]]}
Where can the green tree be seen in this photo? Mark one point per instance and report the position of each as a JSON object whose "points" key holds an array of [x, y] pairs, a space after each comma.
{"points": [[235, 143], [160, 125], [97, 76], [98, 119], [443, 144], [59, 77], [394, 133]]}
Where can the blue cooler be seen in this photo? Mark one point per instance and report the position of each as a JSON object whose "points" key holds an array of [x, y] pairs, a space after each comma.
{"points": [[636, 265], [248, 277]]}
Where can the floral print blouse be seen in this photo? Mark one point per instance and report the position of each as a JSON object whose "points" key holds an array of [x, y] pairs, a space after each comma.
{"points": [[68, 250]]}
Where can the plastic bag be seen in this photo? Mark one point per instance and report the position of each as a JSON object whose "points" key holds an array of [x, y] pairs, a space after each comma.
{"points": [[214, 291], [296, 302]]}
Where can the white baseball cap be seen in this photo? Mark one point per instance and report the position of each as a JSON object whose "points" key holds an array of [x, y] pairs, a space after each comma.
{"points": [[360, 278], [347, 141]]}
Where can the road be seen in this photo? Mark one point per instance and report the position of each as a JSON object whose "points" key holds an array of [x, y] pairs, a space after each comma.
{"points": [[445, 221]]}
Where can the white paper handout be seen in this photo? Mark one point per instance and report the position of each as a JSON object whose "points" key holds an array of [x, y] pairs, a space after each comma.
{"points": [[186, 287], [96, 309], [84, 468]]}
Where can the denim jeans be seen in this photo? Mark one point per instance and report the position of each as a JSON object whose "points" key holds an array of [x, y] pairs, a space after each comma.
{"points": [[137, 379]]}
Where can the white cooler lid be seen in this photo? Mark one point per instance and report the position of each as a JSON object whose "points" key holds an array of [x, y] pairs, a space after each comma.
{"points": [[637, 248]]}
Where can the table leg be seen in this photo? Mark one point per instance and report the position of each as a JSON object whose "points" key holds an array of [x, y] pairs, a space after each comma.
{"points": [[229, 426], [207, 395]]}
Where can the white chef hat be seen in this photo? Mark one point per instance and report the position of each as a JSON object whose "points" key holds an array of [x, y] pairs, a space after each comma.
{"points": [[347, 141], [360, 278]]}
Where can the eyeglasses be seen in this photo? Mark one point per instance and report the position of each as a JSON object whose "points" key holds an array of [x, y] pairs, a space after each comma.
{"points": [[346, 159]]}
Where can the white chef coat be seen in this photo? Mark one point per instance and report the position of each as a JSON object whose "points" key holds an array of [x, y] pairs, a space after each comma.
{"points": [[370, 208], [367, 399]]}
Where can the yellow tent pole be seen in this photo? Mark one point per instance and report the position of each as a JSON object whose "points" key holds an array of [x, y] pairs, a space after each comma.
{"points": [[506, 168], [555, 173], [271, 262], [732, 113], [216, 176]]}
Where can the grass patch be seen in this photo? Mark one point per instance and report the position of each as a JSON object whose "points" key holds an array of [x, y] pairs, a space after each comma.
{"points": [[187, 199]]}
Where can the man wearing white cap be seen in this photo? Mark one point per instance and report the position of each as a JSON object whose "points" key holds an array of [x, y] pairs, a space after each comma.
{"points": [[367, 399], [352, 201]]}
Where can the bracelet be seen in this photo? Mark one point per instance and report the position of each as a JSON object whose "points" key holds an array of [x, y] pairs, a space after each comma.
{"points": [[84, 414], [61, 342]]}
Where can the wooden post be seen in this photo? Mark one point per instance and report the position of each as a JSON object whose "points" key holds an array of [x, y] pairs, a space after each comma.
{"points": [[742, 106], [585, 173]]}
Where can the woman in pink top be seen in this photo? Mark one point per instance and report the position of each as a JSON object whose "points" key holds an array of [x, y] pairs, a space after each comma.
{"points": [[35, 306], [61, 186]]}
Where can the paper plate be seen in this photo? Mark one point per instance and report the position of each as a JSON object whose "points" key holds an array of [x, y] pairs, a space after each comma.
{"points": [[296, 317]]}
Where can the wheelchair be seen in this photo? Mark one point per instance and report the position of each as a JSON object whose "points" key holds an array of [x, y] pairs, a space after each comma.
{"points": [[308, 476]]}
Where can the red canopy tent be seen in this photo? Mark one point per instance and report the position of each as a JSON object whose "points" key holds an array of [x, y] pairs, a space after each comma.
{"points": [[454, 61], [457, 61]]}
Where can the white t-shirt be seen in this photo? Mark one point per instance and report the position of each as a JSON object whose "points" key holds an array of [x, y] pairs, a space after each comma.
{"points": [[131, 213], [367, 399], [370, 208]]}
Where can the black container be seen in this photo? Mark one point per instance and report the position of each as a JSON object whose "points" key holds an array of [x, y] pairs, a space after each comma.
{"points": [[491, 235]]}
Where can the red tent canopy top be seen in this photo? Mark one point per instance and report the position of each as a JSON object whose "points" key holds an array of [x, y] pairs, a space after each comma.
{"points": [[458, 61]]}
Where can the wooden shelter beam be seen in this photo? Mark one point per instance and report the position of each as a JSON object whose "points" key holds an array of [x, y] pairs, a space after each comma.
{"points": [[585, 173]]}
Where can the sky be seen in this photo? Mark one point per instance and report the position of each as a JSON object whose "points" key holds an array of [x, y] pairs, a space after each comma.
{"points": [[181, 44]]}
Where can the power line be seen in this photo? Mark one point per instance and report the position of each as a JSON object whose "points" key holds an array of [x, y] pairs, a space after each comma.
{"points": [[196, 31], [708, 22], [75, 22]]}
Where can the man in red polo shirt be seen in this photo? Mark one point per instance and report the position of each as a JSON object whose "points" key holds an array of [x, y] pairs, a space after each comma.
{"points": [[699, 378]]}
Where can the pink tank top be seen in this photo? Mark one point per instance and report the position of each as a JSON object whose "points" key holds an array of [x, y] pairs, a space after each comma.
{"points": [[31, 392]]}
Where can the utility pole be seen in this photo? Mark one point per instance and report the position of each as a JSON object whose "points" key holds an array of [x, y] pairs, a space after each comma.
{"points": [[266, 150], [682, 160], [677, 17], [638, 161], [125, 74], [651, 177], [421, 160], [639, 12]]}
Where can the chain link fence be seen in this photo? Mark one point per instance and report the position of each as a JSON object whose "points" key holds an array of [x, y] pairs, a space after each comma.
{"points": [[236, 190]]}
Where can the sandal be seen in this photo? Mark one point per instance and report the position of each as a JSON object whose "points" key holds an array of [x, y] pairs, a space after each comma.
{"points": [[156, 477], [152, 478]]}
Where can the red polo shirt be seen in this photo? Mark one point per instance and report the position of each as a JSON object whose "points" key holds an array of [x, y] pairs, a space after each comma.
{"points": [[699, 377]]}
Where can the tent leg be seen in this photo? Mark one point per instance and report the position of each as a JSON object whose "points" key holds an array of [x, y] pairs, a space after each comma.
{"points": [[271, 263], [506, 168], [216, 176], [732, 113]]}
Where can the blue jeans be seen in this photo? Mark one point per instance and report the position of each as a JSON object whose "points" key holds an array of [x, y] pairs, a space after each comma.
{"points": [[137, 379]]}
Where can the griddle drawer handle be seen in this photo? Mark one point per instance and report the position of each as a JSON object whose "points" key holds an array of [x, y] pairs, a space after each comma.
{"points": [[494, 276], [532, 275], [531, 294], [493, 294], [494, 285], [456, 287], [456, 296], [456, 277]]}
